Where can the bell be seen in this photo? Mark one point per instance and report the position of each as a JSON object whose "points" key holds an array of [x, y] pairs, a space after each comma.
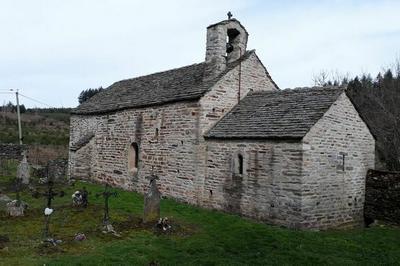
{"points": [[229, 47]]}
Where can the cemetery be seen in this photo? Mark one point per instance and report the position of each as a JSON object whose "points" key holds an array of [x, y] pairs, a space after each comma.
{"points": [[223, 161], [75, 222]]}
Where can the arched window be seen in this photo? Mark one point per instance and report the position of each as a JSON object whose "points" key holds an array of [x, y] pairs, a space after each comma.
{"points": [[133, 158], [240, 164]]}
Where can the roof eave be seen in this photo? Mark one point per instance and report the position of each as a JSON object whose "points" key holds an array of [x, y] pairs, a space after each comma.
{"points": [[114, 110], [292, 138]]}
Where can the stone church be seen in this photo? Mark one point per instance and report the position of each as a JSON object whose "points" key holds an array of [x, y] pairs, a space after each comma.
{"points": [[221, 134]]}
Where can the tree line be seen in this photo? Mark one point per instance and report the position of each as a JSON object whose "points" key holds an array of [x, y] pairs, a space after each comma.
{"points": [[377, 99], [87, 94], [12, 108]]}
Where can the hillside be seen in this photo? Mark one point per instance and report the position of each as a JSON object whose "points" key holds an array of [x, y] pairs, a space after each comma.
{"points": [[45, 128], [45, 131]]}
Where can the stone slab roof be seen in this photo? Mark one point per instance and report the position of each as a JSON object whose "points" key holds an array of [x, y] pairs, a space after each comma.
{"points": [[180, 84], [285, 114]]}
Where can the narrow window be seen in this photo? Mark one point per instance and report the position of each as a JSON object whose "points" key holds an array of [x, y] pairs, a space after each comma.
{"points": [[343, 162], [133, 158], [240, 164]]}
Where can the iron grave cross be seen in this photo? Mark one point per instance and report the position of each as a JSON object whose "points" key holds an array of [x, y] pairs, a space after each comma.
{"points": [[229, 15], [106, 195], [49, 194]]}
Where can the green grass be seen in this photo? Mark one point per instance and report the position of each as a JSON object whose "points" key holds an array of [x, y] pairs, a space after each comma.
{"points": [[205, 237]]}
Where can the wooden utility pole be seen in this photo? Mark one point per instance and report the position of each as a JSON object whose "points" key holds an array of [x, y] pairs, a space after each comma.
{"points": [[19, 119]]}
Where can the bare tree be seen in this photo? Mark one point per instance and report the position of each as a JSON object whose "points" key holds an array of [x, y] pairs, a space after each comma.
{"points": [[321, 78], [333, 77]]}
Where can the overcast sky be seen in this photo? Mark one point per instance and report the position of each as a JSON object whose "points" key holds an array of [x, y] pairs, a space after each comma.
{"points": [[52, 50]]}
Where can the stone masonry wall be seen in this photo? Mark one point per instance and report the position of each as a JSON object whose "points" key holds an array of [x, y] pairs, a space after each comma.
{"points": [[177, 154], [333, 193], [224, 94], [166, 136], [269, 188], [222, 98], [81, 163], [12, 151]]}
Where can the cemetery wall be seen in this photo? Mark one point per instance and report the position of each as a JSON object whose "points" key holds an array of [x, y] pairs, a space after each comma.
{"points": [[382, 196], [11, 151]]}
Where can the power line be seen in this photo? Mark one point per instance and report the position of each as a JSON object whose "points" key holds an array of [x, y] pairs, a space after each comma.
{"points": [[12, 91], [36, 100]]}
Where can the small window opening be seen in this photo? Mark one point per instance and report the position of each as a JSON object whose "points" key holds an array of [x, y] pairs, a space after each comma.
{"points": [[240, 164], [133, 158], [156, 134]]}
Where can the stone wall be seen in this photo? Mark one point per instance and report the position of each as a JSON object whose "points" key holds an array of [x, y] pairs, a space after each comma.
{"points": [[216, 47], [169, 137], [11, 151], [224, 94], [222, 98], [333, 192], [166, 136], [382, 196], [57, 169], [269, 188]]}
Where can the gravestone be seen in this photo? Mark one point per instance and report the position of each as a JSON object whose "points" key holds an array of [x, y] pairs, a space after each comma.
{"points": [[16, 208], [23, 170], [152, 202], [4, 199]]}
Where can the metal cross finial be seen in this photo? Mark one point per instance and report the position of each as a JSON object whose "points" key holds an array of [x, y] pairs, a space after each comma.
{"points": [[229, 15]]}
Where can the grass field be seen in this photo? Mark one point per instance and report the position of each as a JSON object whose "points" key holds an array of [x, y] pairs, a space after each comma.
{"points": [[200, 237], [40, 128]]}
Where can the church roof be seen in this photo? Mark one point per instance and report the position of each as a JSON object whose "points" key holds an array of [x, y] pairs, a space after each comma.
{"points": [[285, 114], [180, 84]]}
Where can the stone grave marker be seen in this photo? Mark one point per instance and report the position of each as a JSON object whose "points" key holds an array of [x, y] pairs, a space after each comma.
{"points": [[23, 170], [4, 199], [16, 207], [152, 202]]}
